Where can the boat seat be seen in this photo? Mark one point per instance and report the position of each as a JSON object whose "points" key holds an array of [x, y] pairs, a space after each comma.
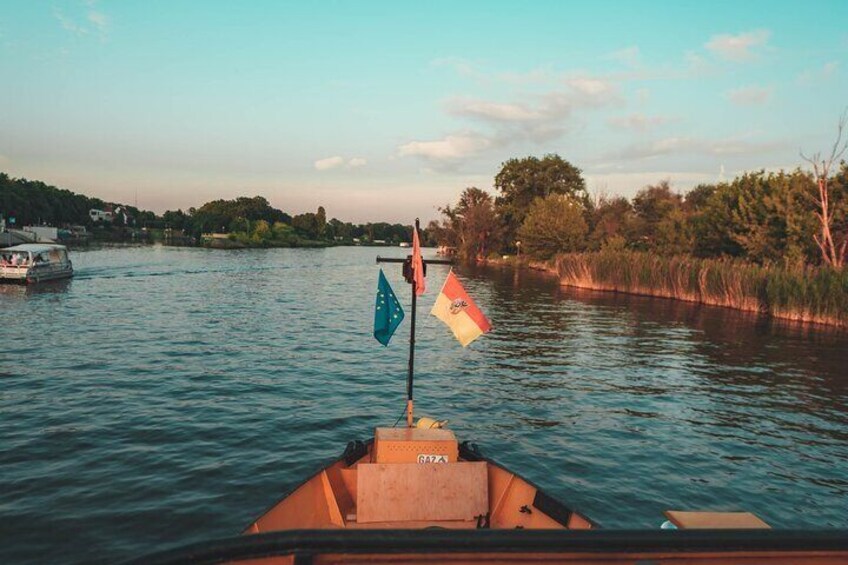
{"points": [[429, 492], [715, 520]]}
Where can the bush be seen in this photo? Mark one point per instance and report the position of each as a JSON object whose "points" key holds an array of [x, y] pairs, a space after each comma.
{"points": [[554, 224]]}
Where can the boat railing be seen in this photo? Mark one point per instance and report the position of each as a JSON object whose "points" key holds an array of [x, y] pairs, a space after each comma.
{"points": [[707, 547]]}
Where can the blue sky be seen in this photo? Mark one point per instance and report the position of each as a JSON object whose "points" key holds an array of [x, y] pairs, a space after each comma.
{"points": [[386, 110]]}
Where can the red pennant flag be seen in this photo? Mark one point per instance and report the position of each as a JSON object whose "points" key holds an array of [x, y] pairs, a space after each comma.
{"points": [[456, 309], [417, 264]]}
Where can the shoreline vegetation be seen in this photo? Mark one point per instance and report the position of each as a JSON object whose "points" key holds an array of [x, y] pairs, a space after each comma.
{"points": [[806, 294], [240, 223], [770, 243]]}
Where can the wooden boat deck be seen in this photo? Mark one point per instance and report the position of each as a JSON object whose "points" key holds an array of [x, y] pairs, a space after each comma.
{"points": [[380, 489]]}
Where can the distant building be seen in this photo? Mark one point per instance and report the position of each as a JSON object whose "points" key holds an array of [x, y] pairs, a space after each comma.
{"points": [[100, 215], [211, 236]]}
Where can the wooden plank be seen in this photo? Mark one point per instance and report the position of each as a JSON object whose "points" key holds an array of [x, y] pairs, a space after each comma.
{"points": [[446, 524], [403, 492], [349, 480], [715, 520], [332, 504]]}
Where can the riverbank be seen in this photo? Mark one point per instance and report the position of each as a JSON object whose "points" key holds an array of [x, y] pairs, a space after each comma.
{"points": [[816, 295]]}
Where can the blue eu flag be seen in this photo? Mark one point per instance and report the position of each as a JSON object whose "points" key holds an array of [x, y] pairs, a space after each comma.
{"points": [[387, 313]]}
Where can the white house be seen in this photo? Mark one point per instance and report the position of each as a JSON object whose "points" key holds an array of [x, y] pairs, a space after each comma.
{"points": [[100, 215]]}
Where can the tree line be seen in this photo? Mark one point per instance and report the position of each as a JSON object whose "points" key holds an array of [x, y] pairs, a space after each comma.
{"points": [[250, 220], [32, 202], [542, 208]]}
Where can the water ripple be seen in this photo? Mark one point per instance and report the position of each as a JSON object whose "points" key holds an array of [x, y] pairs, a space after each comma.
{"points": [[166, 396]]}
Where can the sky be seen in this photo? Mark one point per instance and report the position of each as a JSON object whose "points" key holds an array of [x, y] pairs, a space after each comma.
{"points": [[384, 111]]}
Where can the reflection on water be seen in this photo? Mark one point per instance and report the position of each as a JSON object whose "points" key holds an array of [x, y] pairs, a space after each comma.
{"points": [[24, 290], [168, 395], [751, 412]]}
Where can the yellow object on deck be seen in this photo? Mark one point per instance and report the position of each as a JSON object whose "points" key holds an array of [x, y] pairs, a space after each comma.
{"points": [[430, 423]]}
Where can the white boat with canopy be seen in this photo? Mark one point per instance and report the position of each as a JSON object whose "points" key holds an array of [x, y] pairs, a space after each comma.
{"points": [[35, 262]]}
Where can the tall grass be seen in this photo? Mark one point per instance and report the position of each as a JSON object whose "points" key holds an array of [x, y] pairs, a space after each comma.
{"points": [[812, 294]]}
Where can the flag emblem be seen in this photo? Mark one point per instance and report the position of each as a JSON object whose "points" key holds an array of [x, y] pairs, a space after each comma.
{"points": [[457, 310], [458, 306], [388, 313]]}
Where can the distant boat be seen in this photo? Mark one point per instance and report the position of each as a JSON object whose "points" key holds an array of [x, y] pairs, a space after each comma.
{"points": [[35, 262], [404, 244]]}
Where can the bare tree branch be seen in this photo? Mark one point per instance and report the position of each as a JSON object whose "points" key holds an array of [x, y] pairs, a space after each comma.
{"points": [[821, 170]]}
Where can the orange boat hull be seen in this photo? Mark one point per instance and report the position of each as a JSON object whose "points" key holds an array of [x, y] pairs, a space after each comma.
{"points": [[470, 493]]}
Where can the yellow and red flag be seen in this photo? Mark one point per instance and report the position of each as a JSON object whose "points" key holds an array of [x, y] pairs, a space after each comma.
{"points": [[417, 264], [456, 309]]}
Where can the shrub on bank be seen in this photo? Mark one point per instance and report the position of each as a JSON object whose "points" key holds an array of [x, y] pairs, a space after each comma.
{"points": [[815, 294]]}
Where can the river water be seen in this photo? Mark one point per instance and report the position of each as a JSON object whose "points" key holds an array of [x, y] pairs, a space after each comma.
{"points": [[169, 395]]}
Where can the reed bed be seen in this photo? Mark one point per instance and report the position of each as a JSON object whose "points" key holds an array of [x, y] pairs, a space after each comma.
{"points": [[808, 294]]}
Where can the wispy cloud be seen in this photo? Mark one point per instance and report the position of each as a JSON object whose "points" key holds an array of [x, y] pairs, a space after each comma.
{"points": [[99, 20], [629, 56], [748, 95], [329, 163], [68, 23], [83, 23], [338, 161], [637, 122], [825, 72], [493, 111], [690, 145], [537, 118], [450, 148], [738, 48], [542, 119]]}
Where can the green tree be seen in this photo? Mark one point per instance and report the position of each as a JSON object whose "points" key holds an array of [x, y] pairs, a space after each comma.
{"points": [[262, 230], [697, 198], [521, 181], [611, 218], [239, 225], [471, 226], [321, 221], [34, 202], [282, 232], [219, 214], [661, 220], [762, 217], [177, 220], [554, 224]]}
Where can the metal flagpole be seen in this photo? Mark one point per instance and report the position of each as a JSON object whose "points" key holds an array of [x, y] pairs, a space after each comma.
{"points": [[409, 275], [411, 374]]}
